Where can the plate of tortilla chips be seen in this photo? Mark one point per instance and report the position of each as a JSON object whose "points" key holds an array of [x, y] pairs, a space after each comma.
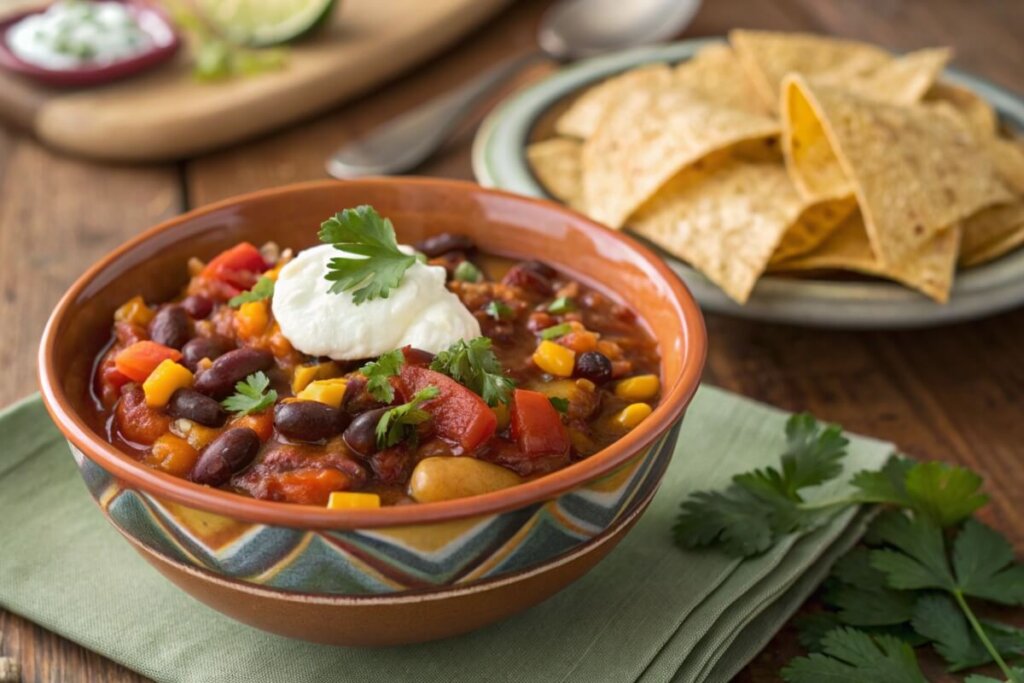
{"points": [[786, 177]]}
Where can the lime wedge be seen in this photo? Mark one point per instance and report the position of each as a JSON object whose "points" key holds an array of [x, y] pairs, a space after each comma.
{"points": [[265, 22]]}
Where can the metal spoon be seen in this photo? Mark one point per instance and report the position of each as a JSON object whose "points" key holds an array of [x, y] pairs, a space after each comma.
{"points": [[571, 29]]}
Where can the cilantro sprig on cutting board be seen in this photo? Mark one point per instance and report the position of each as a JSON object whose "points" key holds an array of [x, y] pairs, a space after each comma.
{"points": [[916, 579]]}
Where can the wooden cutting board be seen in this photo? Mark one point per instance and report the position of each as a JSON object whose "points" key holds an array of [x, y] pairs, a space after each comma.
{"points": [[167, 114]]}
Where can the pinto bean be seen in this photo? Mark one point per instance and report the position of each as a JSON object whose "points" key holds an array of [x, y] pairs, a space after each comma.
{"points": [[230, 452], [219, 379], [191, 405], [170, 327], [361, 434], [203, 347], [197, 306], [441, 244], [442, 478], [307, 420]]}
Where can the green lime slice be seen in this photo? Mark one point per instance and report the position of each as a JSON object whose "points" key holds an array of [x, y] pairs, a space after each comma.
{"points": [[265, 22]]}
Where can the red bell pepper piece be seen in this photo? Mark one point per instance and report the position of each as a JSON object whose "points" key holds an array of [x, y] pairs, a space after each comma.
{"points": [[238, 266], [536, 425], [459, 414], [141, 358]]}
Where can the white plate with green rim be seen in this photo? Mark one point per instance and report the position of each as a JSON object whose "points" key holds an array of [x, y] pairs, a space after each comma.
{"points": [[499, 160]]}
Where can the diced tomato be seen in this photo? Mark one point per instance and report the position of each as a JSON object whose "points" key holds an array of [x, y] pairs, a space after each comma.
{"points": [[141, 358], [238, 266], [261, 423], [459, 414], [137, 421], [536, 425], [306, 486]]}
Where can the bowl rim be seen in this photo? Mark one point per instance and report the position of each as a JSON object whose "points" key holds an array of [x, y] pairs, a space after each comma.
{"points": [[232, 505]]}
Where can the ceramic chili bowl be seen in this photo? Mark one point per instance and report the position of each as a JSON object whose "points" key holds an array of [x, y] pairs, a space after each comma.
{"points": [[396, 574]]}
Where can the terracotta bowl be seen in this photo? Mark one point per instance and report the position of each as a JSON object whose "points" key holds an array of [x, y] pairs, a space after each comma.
{"points": [[399, 574]]}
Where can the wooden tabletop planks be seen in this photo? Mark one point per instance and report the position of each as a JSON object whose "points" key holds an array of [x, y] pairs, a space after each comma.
{"points": [[952, 393]]}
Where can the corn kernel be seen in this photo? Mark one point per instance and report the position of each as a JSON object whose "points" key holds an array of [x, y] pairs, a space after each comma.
{"points": [[554, 359], [632, 415], [172, 454], [328, 391], [639, 388], [165, 379], [251, 319], [501, 412], [134, 311], [304, 374], [348, 500]]}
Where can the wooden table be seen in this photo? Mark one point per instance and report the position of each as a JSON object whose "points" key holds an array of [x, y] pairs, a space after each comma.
{"points": [[952, 393]]}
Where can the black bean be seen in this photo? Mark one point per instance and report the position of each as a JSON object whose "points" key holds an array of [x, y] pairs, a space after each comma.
{"points": [[170, 327], [594, 366], [230, 452], [219, 379], [441, 244], [203, 347], [197, 306], [361, 435], [307, 420], [191, 405]]}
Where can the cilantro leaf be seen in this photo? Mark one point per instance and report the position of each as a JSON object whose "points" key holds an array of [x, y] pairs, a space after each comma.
{"points": [[263, 289], [919, 560], [399, 422], [1018, 674], [984, 565], [372, 264], [560, 404], [853, 656], [946, 494], [473, 364], [762, 506], [860, 594], [938, 618], [887, 485], [252, 395], [379, 374]]}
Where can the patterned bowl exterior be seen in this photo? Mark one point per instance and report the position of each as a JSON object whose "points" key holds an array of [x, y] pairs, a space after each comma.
{"points": [[388, 560]]}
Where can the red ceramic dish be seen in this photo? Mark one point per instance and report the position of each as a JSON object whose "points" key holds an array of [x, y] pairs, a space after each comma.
{"points": [[166, 46]]}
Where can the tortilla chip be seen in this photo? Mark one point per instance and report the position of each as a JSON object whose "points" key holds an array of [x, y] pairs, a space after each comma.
{"points": [[556, 163], [980, 115], [916, 170], [581, 119], [768, 57], [1008, 157], [930, 270], [652, 135], [992, 232], [817, 221], [901, 80], [716, 75], [725, 222]]}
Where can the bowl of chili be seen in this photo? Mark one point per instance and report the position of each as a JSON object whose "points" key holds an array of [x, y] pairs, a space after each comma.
{"points": [[536, 444]]}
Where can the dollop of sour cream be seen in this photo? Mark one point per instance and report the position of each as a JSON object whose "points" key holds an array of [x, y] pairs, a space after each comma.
{"points": [[420, 312], [73, 34]]}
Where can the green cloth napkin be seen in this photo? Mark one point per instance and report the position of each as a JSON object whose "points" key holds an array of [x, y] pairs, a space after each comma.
{"points": [[649, 612]]}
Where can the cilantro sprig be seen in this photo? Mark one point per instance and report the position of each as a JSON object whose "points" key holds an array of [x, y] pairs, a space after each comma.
{"points": [[379, 373], [252, 395], [473, 364], [399, 423], [263, 289], [370, 264]]}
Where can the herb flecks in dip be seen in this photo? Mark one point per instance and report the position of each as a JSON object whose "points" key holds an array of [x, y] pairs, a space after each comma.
{"points": [[363, 373]]}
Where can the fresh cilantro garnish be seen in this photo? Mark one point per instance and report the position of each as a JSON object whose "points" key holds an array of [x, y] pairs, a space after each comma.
{"points": [[473, 364], [941, 621], [556, 331], [562, 304], [560, 404], [499, 310], [852, 655], [467, 272], [263, 289], [372, 264], [379, 373], [251, 395], [399, 423], [946, 494]]}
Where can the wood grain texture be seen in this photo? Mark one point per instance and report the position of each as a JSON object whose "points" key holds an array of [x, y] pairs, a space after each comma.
{"points": [[951, 393]]}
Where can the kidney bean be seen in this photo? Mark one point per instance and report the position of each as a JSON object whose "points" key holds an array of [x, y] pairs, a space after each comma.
{"points": [[361, 434], [203, 347], [228, 453], [593, 365], [528, 276], [220, 378], [307, 420], [170, 327], [441, 244], [414, 356], [191, 405], [197, 306]]}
